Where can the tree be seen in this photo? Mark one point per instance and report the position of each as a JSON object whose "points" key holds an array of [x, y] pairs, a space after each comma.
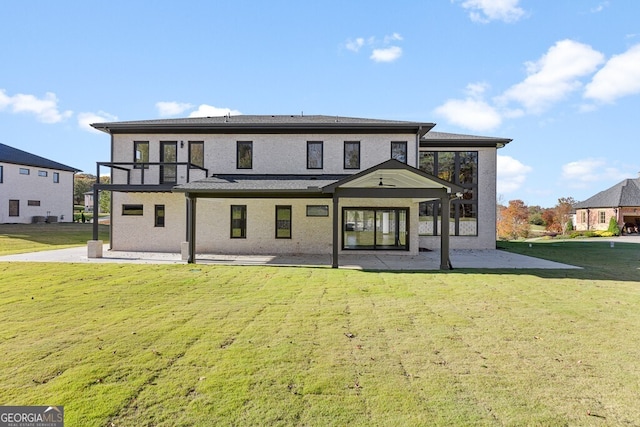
{"points": [[513, 220], [82, 182], [105, 195], [563, 212]]}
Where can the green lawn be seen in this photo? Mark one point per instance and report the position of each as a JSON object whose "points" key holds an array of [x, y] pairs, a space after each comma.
{"points": [[182, 345], [21, 238]]}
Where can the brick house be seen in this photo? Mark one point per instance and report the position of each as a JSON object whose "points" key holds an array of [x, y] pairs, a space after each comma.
{"points": [[622, 202]]}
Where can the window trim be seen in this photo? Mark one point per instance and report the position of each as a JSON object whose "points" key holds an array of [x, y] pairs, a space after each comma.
{"points": [[43, 173], [129, 209], [191, 145], [321, 144], [159, 220], [356, 144], [16, 204], [375, 210], [405, 149], [135, 157], [246, 144], [1, 174], [290, 228], [323, 208], [25, 171], [243, 221], [602, 217], [33, 202], [56, 177]]}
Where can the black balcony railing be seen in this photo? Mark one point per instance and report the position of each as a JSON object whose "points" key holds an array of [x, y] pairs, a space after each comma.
{"points": [[150, 173]]}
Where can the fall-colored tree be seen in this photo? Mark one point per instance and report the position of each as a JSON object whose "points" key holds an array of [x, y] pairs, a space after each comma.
{"points": [[563, 212], [513, 220], [551, 221]]}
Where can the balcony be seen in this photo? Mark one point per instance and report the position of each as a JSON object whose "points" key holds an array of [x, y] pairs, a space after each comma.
{"points": [[150, 176]]}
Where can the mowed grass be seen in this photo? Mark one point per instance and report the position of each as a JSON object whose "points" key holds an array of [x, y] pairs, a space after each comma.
{"points": [[183, 345], [21, 238]]}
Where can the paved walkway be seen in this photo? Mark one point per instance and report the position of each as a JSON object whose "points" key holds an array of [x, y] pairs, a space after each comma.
{"points": [[423, 261]]}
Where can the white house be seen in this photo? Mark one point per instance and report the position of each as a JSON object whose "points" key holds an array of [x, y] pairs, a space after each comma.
{"points": [[34, 189], [298, 184]]}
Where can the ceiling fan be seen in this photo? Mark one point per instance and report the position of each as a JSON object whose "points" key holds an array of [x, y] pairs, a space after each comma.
{"points": [[382, 184]]}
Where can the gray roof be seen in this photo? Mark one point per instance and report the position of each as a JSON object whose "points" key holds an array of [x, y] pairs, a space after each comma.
{"points": [[264, 122], [451, 139], [260, 183], [19, 157], [624, 193]]}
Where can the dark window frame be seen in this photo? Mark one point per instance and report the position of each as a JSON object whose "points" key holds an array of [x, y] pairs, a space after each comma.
{"points": [[193, 144], [284, 224], [129, 209], [238, 223], [347, 164], [1, 174], [14, 207], [24, 171], [43, 173], [136, 144], [33, 202], [347, 226], [404, 149], [321, 160], [56, 177], [240, 144], [159, 215]]}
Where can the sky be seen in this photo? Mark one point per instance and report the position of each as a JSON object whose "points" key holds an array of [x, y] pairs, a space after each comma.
{"points": [[561, 78]]}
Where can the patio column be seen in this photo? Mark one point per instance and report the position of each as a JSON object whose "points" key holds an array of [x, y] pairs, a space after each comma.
{"points": [[444, 233], [336, 228], [191, 228]]}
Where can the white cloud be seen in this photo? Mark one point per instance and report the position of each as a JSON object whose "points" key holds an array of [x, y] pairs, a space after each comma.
{"points": [[205, 110], [85, 120], [45, 109], [600, 7], [582, 173], [167, 109], [619, 77], [388, 54], [381, 50], [511, 174], [485, 11], [554, 76], [355, 45], [470, 113]]}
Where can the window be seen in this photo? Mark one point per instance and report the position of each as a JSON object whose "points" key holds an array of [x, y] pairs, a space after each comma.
{"points": [[238, 221], [168, 158], [283, 222], [375, 228], [24, 171], [314, 155], [159, 216], [317, 210], [56, 177], [399, 151], [141, 154], [244, 155], [602, 217], [14, 207], [1, 174], [352, 155], [196, 153], [457, 167], [136, 210], [583, 216], [43, 173], [33, 202]]}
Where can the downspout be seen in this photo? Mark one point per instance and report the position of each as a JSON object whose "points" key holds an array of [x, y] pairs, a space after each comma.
{"points": [[336, 227]]}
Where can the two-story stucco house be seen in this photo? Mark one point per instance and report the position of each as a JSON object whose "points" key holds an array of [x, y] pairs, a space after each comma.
{"points": [[33, 188], [298, 184]]}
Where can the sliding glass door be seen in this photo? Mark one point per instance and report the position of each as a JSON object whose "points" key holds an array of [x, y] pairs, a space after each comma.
{"points": [[375, 228]]}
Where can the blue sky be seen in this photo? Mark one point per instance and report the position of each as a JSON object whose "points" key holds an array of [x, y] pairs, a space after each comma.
{"points": [[559, 77]]}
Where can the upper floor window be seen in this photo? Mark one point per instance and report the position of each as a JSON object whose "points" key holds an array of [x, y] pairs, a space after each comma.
{"points": [[1, 177], [399, 151], [141, 153], [244, 155], [43, 173], [24, 171], [56, 177], [196, 153], [314, 155], [352, 154]]}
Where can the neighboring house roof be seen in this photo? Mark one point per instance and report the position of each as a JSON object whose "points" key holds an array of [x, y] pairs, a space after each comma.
{"points": [[436, 139], [624, 193], [19, 157], [266, 123]]}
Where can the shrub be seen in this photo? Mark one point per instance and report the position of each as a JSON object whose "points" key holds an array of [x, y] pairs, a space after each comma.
{"points": [[606, 234], [614, 229]]}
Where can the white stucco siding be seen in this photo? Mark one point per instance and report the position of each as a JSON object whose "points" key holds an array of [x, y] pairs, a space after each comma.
{"points": [[486, 238], [139, 233], [272, 153], [54, 199]]}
